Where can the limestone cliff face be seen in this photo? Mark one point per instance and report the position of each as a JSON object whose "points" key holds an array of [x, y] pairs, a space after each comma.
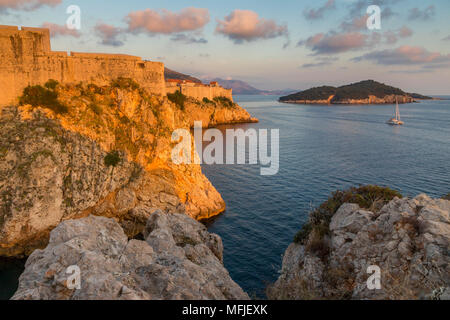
{"points": [[408, 239], [179, 260], [108, 155]]}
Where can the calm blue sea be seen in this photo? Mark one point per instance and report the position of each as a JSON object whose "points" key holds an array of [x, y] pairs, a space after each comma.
{"points": [[322, 148]]}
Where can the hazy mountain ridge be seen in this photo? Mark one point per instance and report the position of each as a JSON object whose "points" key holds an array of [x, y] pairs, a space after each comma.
{"points": [[171, 74], [238, 86]]}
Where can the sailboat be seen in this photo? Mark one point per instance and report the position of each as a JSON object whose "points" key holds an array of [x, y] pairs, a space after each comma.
{"points": [[396, 121]]}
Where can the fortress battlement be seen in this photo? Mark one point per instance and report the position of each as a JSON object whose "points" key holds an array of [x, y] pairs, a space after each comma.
{"points": [[26, 59]]}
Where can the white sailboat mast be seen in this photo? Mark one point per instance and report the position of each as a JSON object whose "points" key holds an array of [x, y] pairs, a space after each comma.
{"points": [[397, 111]]}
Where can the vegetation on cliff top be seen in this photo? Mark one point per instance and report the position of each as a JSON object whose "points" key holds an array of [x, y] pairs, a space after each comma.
{"points": [[419, 96], [112, 158], [121, 116], [43, 96], [369, 197], [356, 91], [178, 98]]}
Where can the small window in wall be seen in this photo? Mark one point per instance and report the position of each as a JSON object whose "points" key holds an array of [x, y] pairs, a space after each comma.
{"points": [[141, 65]]}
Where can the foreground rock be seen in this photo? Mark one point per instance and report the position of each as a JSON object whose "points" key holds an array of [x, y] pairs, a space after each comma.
{"points": [[408, 239], [178, 260]]}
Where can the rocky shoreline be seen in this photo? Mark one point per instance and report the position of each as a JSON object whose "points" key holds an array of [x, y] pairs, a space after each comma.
{"points": [[407, 239]]}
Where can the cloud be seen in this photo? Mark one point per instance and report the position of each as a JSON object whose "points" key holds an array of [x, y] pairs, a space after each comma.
{"points": [[357, 7], [27, 5], [425, 14], [315, 14], [188, 39], [387, 13], [405, 32], [57, 30], [333, 43], [446, 38], [406, 55], [245, 25], [321, 62], [357, 24], [108, 34], [392, 36], [167, 22]]}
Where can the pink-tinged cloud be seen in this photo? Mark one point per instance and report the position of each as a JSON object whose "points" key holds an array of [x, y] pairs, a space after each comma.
{"points": [[333, 43], [57, 30], [167, 22], [108, 34], [406, 55], [246, 25], [357, 24], [27, 4], [405, 32], [392, 36]]}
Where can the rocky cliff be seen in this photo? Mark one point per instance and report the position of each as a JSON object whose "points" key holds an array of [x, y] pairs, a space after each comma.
{"points": [[408, 239], [179, 260], [74, 150]]}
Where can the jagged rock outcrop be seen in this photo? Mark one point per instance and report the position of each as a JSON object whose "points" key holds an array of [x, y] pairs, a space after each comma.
{"points": [[408, 239], [107, 153], [179, 260]]}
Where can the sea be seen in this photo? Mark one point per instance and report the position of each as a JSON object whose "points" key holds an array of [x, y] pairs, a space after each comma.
{"points": [[321, 149]]}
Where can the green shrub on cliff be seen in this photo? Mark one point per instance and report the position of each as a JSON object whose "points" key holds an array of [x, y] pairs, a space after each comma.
{"points": [[112, 159], [224, 101], [51, 84], [38, 96], [178, 98], [96, 108], [125, 83], [369, 197], [206, 100]]}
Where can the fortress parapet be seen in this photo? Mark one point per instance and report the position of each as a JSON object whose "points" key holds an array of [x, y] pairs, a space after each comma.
{"points": [[26, 59], [198, 90]]}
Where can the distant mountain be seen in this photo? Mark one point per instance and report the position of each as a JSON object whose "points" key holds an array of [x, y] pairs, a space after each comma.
{"points": [[238, 86], [364, 92], [170, 74], [243, 88]]}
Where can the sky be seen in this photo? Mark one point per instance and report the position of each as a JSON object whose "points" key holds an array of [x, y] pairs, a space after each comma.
{"points": [[269, 44]]}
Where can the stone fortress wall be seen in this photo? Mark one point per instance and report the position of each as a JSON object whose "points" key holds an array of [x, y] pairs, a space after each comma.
{"points": [[26, 59], [198, 90]]}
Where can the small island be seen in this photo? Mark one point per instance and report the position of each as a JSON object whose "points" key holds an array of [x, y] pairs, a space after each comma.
{"points": [[364, 92]]}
